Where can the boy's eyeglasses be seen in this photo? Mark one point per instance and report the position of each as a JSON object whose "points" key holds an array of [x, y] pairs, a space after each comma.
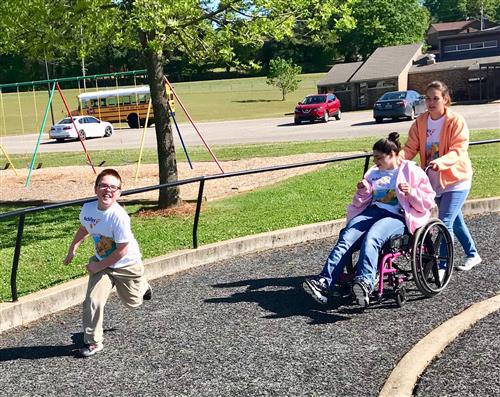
{"points": [[111, 188]]}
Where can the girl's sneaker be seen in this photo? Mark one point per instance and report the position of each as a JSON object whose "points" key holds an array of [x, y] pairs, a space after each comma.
{"points": [[317, 288], [470, 263], [361, 293], [91, 349]]}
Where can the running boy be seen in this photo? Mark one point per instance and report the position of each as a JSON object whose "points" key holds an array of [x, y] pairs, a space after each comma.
{"points": [[117, 259]]}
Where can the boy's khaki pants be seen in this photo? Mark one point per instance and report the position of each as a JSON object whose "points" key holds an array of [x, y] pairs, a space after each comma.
{"points": [[130, 286]]}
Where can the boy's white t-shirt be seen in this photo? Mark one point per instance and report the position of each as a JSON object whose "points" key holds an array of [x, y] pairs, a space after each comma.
{"points": [[434, 128], [384, 189], [108, 228]]}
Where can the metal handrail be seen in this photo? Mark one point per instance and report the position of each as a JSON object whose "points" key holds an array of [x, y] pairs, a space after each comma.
{"points": [[201, 180]]}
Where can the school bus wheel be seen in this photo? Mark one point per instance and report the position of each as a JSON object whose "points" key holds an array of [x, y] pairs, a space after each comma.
{"points": [[133, 120]]}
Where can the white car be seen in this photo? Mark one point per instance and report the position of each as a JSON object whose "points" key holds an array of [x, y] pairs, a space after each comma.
{"points": [[87, 127]]}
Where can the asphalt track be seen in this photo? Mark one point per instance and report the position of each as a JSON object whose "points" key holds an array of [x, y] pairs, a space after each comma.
{"points": [[244, 327]]}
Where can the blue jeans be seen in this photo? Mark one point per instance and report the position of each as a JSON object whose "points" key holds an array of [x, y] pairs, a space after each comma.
{"points": [[450, 212], [369, 230]]}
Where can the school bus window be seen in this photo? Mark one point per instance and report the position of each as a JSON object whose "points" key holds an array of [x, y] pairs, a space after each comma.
{"points": [[125, 100], [111, 101], [142, 98]]}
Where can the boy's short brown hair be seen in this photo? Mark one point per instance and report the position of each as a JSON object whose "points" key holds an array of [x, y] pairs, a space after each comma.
{"points": [[107, 171]]}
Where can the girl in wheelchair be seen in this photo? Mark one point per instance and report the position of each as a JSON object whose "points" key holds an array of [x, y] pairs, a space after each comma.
{"points": [[395, 195]]}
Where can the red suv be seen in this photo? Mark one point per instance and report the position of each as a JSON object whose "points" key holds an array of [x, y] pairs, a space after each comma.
{"points": [[318, 107]]}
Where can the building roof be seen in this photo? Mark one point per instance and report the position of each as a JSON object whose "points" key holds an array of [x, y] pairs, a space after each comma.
{"points": [[340, 73], [485, 32], [471, 64], [387, 62], [445, 26]]}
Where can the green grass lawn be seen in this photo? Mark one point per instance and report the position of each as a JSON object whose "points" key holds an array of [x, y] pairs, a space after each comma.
{"points": [[231, 99], [317, 196], [223, 153]]}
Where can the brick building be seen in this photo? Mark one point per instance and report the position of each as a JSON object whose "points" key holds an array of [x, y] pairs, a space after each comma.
{"points": [[462, 55]]}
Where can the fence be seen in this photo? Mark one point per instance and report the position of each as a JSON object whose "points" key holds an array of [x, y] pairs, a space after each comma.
{"points": [[201, 180]]}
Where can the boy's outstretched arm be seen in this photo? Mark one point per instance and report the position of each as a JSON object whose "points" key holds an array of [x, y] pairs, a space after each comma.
{"points": [[80, 235]]}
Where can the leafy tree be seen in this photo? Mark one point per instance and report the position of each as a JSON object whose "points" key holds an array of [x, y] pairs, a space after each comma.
{"points": [[381, 23], [460, 10], [204, 31], [283, 74]]}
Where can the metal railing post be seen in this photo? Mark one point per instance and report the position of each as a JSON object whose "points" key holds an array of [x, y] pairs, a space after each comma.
{"points": [[17, 253], [367, 163], [197, 213]]}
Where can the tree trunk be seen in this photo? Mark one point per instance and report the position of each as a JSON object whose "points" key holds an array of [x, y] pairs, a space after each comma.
{"points": [[167, 162]]}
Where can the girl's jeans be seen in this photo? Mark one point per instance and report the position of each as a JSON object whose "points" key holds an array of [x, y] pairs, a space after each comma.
{"points": [[369, 230], [450, 212]]}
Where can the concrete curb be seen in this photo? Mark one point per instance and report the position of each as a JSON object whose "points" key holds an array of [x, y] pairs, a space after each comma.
{"points": [[403, 378], [52, 300]]}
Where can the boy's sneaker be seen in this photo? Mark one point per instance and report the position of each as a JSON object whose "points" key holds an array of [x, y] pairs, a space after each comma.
{"points": [[470, 263], [148, 294], [91, 349], [361, 292], [317, 288]]}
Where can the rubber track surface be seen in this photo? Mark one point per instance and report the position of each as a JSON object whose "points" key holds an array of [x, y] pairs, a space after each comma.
{"points": [[244, 327]]}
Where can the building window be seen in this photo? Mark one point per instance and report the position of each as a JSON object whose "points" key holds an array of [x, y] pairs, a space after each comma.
{"points": [[470, 46]]}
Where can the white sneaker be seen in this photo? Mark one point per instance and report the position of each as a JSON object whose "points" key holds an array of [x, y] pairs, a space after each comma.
{"points": [[91, 349], [470, 263], [441, 274]]}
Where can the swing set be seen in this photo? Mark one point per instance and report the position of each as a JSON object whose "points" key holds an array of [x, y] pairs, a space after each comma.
{"points": [[131, 103]]}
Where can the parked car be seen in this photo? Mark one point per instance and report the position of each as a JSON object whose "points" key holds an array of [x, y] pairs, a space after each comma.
{"points": [[318, 107], [396, 104], [87, 127]]}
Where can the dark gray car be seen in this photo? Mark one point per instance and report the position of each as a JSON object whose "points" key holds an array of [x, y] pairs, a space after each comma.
{"points": [[396, 104]]}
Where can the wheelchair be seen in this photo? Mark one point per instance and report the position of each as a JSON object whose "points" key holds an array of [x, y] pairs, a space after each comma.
{"points": [[425, 258]]}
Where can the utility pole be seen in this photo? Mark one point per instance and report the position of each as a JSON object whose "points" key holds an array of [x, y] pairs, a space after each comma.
{"points": [[482, 18], [83, 60]]}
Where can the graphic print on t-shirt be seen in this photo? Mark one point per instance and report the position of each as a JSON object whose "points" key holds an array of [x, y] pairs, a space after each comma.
{"points": [[382, 191], [433, 135], [431, 151], [104, 246]]}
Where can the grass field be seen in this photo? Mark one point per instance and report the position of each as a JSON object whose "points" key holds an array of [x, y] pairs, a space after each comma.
{"points": [[230, 99], [314, 197]]}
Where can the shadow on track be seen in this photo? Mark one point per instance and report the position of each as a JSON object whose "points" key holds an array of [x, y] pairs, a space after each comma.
{"points": [[39, 352], [282, 297]]}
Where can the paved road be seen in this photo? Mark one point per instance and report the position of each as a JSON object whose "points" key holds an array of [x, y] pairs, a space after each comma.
{"points": [[243, 327], [353, 124]]}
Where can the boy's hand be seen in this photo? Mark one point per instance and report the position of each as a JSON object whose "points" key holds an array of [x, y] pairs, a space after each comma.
{"points": [[404, 187], [360, 184], [69, 258]]}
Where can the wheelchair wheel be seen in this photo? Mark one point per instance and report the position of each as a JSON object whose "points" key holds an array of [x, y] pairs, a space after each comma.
{"points": [[432, 257]]}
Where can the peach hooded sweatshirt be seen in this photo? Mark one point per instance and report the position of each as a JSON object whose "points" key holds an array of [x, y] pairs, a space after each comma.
{"points": [[453, 162]]}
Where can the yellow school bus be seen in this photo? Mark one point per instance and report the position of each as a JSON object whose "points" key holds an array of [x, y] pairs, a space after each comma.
{"points": [[124, 104]]}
